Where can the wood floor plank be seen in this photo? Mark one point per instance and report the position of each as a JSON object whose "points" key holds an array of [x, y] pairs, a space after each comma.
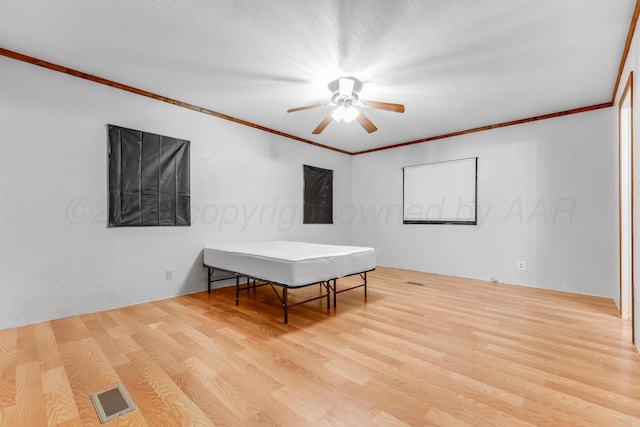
{"points": [[8, 362], [116, 343], [384, 419], [148, 403], [59, 403], [207, 399], [421, 349], [88, 371], [30, 406], [249, 373], [174, 404], [438, 417], [308, 410], [70, 329], [47, 346], [27, 351], [8, 416]]}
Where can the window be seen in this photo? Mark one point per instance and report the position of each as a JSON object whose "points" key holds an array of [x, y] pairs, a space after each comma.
{"points": [[441, 193]]}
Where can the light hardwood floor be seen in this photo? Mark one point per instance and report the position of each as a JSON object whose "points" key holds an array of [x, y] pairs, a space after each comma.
{"points": [[422, 350]]}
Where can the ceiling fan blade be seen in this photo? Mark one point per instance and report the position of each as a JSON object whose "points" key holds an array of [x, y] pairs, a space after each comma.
{"points": [[366, 123], [386, 106], [306, 107], [323, 124], [346, 86]]}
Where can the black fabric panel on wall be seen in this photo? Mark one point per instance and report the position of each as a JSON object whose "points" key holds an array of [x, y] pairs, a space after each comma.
{"points": [[183, 184], [318, 195], [130, 153], [150, 176], [167, 189], [149, 179], [115, 161]]}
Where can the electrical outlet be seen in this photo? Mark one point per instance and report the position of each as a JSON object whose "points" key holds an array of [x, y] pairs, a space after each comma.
{"points": [[377, 251], [168, 274], [520, 265]]}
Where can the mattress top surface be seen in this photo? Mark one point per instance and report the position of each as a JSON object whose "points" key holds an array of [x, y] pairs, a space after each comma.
{"points": [[287, 250]]}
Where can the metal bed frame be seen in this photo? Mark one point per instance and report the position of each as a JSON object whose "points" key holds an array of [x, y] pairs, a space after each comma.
{"points": [[329, 285]]}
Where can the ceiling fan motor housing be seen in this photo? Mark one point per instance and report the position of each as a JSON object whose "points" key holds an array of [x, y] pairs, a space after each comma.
{"points": [[345, 99], [334, 86]]}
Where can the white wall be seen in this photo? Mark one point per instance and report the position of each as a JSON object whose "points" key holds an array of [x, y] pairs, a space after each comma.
{"points": [[57, 258], [547, 195]]}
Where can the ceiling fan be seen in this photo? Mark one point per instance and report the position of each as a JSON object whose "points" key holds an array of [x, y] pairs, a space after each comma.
{"points": [[347, 102]]}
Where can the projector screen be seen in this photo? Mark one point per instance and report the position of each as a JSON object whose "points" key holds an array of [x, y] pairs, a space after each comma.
{"points": [[441, 193]]}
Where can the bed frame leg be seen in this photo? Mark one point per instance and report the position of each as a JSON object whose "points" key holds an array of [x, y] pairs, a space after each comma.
{"points": [[285, 305], [237, 290], [365, 284], [335, 293], [209, 273], [328, 286]]}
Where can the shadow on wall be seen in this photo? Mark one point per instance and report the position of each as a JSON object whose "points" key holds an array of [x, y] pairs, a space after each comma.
{"points": [[196, 278]]}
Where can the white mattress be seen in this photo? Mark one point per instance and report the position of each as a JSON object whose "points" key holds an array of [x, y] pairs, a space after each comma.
{"points": [[290, 263]]}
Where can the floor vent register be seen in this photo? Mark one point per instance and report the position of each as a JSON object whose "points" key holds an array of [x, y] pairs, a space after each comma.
{"points": [[112, 402]]}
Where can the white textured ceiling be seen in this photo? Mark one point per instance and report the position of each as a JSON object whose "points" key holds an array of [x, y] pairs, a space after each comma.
{"points": [[454, 64]]}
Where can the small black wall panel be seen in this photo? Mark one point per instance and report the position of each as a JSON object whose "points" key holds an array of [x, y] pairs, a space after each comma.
{"points": [[318, 195]]}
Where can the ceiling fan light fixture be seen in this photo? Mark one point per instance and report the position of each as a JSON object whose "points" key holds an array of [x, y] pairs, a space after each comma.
{"points": [[346, 100], [350, 114], [338, 113], [345, 114]]}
